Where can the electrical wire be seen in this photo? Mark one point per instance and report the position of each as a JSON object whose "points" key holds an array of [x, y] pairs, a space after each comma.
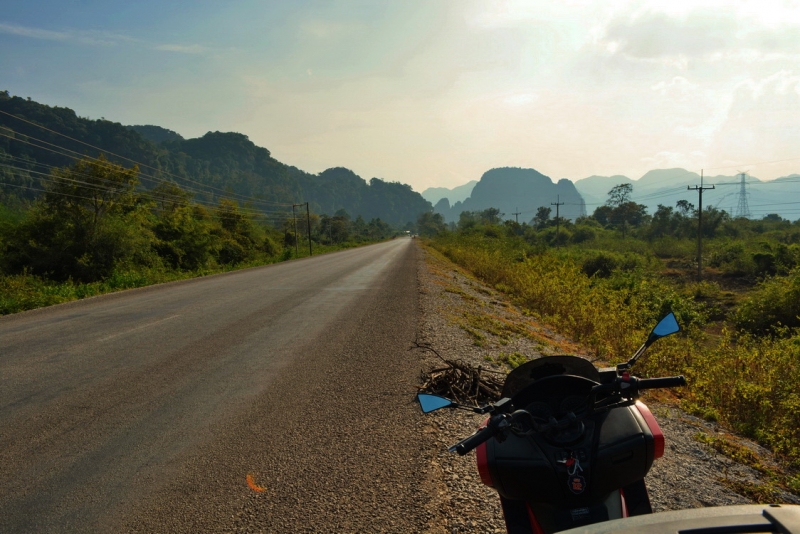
{"points": [[110, 165], [141, 165], [114, 188], [218, 213]]}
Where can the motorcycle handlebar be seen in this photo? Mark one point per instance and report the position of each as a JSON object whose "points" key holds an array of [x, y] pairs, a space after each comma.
{"points": [[495, 424], [665, 382], [498, 423]]}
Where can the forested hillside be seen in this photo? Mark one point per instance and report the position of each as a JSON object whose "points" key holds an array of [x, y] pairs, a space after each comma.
{"points": [[35, 138]]}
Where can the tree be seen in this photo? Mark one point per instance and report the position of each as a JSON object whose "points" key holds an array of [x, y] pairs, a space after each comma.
{"points": [[663, 222], [542, 217], [183, 237], [491, 216], [89, 222], [619, 194], [684, 207], [430, 224], [239, 236], [623, 212], [467, 220]]}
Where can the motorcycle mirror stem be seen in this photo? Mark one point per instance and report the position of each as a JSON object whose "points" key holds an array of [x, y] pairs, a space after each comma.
{"points": [[430, 403], [665, 327]]}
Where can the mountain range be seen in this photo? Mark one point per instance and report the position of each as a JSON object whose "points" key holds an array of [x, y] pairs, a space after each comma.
{"points": [[35, 138], [660, 186], [518, 194], [668, 186]]}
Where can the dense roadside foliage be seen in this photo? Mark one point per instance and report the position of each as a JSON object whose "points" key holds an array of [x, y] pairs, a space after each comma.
{"points": [[94, 230], [605, 281]]}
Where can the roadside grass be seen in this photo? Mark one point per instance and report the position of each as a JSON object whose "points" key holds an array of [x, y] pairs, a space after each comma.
{"points": [[777, 479]]}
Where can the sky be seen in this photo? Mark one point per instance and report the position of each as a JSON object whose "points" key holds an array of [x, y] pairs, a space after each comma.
{"points": [[433, 93]]}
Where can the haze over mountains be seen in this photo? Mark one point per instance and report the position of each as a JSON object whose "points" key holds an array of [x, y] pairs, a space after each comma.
{"points": [[660, 186], [517, 193], [220, 162]]}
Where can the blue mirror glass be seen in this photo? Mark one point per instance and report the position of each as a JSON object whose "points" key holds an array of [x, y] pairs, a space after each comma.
{"points": [[430, 403], [666, 326]]}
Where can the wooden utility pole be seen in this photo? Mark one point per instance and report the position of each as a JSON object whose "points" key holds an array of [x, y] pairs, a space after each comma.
{"points": [[700, 190], [294, 219], [516, 215], [557, 203], [308, 218]]}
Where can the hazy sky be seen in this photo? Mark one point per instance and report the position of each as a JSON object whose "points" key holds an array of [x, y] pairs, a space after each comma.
{"points": [[433, 92]]}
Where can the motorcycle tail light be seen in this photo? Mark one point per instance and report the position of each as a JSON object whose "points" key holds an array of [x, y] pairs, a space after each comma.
{"points": [[481, 456], [483, 465], [652, 424]]}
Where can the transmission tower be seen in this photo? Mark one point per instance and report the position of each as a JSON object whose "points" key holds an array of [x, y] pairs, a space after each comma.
{"points": [[742, 210]]}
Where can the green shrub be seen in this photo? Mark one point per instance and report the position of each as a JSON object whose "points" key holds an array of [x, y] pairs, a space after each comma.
{"points": [[775, 303], [582, 234], [601, 265]]}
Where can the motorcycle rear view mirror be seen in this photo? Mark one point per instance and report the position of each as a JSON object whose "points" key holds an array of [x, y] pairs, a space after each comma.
{"points": [[431, 403], [665, 327]]}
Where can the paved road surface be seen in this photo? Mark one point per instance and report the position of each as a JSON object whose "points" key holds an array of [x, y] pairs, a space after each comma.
{"points": [[145, 410]]}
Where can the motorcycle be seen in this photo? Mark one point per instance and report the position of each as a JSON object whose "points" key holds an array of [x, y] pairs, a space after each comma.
{"points": [[568, 444]]}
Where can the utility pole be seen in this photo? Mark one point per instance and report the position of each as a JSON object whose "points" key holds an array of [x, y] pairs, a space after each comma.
{"points": [[557, 203], [516, 215], [294, 220], [699, 190], [308, 218]]}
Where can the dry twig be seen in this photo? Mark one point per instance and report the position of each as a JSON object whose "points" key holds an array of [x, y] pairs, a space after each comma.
{"points": [[460, 381]]}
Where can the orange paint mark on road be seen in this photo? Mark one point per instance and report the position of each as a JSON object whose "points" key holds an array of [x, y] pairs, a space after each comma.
{"points": [[252, 484]]}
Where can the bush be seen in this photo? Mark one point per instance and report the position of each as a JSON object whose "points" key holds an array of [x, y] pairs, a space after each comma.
{"points": [[775, 303], [231, 252], [601, 266], [270, 247], [583, 234]]}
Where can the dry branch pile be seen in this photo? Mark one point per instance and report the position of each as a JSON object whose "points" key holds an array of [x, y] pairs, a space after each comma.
{"points": [[462, 382]]}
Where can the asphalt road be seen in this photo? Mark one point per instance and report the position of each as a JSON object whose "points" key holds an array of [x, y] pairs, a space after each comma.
{"points": [[146, 410]]}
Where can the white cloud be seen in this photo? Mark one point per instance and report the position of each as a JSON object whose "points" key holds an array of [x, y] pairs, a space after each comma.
{"points": [[326, 29], [698, 35], [96, 38], [183, 49], [82, 37]]}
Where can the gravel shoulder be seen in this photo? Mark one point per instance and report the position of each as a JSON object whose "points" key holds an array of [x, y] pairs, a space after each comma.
{"points": [[463, 319]]}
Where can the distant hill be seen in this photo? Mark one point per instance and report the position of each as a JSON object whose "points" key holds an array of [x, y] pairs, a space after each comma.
{"points": [[456, 194], [668, 186], [156, 134], [515, 190], [594, 189], [215, 165]]}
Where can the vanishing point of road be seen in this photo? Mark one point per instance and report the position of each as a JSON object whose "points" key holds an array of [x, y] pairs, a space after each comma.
{"points": [[273, 399]]}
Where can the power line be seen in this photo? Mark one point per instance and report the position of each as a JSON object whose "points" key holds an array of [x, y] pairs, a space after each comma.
{"points": [[126, 159], [160, 196], [143, 175], [218, 213]]}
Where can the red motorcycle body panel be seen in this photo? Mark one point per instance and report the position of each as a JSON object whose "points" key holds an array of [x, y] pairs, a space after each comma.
{"points": [[652, 424]]}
